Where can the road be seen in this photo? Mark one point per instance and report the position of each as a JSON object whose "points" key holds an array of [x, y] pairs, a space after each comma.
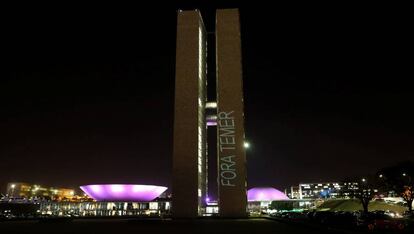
{"points": [[103, 226]]}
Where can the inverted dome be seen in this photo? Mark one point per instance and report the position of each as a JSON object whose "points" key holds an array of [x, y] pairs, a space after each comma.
{"points": [[123, 192], [265, 194]]}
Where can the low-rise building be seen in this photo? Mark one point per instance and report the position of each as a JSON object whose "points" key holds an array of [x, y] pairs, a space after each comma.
{"points": [[324, 190], [26, 190], [293, 192]]}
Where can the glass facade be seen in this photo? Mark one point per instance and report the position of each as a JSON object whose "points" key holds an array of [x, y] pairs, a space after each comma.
{"points": [[327, 190], [84, 209], [202, 157]]}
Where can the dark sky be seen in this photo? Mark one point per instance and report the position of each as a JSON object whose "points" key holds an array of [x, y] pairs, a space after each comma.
{"points": [[86, 95]]}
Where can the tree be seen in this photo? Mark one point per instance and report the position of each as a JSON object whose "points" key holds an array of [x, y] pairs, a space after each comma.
{"points": [[398, 178], [407, 195], [366, 191]]}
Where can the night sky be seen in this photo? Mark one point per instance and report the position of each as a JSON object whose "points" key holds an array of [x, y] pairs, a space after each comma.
{"points": [[87, 96]]}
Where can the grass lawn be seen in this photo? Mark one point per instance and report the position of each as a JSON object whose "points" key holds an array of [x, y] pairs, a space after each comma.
{"points": [[354, 205]]}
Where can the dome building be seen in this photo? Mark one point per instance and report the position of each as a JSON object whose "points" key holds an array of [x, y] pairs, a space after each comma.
{"points": [[259, 198], [265, 194], [123, 192]]}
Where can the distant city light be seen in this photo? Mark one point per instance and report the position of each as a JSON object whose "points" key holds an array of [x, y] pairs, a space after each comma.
{"points": [[380, 176], [13, 186], [246, 145], [363, 180], [404, 174]]}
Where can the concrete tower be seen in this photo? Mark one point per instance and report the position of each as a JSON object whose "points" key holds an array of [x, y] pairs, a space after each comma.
{"points": [[189, 150], [230, 116], [189, 154]]}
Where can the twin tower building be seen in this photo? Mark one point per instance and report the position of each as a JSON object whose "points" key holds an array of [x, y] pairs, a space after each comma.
{"points": [[190, 160]]}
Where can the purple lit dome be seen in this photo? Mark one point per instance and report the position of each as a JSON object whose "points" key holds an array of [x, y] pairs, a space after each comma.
{"points": [[265, 194], [123, 192]]}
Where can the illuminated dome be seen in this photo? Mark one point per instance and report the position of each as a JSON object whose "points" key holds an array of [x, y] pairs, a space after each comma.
{"points": [[123, 192], [265, 194]]}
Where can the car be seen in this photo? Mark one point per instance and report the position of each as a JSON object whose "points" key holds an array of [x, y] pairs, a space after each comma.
{"points": [[379, 221], [323, 217], [343, 219], [409, 215], [388, 224]]}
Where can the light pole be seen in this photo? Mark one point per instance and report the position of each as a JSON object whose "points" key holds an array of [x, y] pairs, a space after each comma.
{"points": [[409, 179]]}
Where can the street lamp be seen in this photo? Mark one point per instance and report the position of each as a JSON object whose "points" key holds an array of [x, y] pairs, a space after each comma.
{"points": [[364, 180], [246, 145], [403, 174], [380, 176]]}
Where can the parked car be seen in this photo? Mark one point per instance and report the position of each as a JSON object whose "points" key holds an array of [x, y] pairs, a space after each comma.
{"points": [[380, 221], [323, 217]]}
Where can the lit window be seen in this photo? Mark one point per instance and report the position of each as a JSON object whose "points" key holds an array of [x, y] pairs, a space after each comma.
{"points": [[200, 53], [211, 105]]}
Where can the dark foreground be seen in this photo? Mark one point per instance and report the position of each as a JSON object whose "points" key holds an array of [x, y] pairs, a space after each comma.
{"points": [[102, 226]]}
